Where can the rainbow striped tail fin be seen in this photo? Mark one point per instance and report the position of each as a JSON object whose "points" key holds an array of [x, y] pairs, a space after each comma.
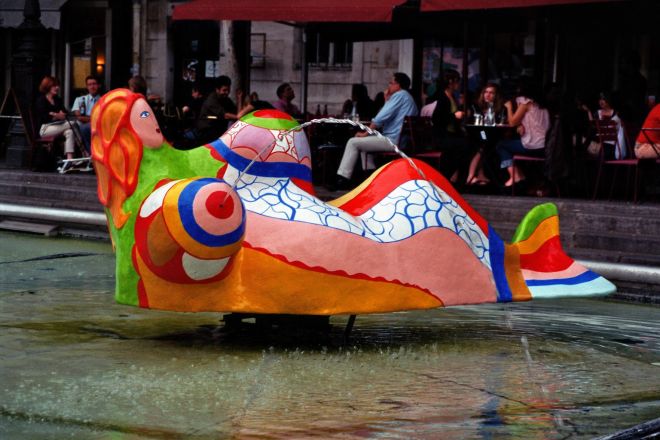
{"points": [[542, 265]]}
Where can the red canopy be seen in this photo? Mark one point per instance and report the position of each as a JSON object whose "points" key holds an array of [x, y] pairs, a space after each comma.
{"points": [[449, 5], [287, 10]]}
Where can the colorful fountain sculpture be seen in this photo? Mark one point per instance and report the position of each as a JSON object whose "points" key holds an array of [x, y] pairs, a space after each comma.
{"points": [[234, 226]]}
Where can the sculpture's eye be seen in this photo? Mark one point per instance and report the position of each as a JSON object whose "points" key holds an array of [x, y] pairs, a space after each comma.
{"points": [[145, 114]]}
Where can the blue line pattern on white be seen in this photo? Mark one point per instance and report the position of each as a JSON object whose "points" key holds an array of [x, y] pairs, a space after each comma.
{"points": [[410, 208]]}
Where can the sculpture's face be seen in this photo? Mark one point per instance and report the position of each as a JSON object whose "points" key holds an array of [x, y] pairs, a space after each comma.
{"points": [[145, 125]]}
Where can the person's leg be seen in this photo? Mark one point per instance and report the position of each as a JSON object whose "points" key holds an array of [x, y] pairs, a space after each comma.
{"points": [[86, 134], [373, 145], [506, 149], [350, 157], [69, 143], [476, 171], [59, 130], [354, 147], [455, 157]]}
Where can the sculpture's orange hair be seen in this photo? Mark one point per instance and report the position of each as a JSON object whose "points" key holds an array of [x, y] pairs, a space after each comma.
{"points": [[116, 150]]}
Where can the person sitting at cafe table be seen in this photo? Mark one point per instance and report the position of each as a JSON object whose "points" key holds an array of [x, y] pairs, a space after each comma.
{"points": [[388, 121], [360, 106], [606, 111], [285, 95], [51, 115], [82, 109], [252, 103], [532, 121], [490, 110], [447, 131], [193, 105], [213, 121], [648, 142]]}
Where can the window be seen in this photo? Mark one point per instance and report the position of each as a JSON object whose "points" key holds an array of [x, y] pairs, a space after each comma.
{"points": [[325, 53], [258, 50]]}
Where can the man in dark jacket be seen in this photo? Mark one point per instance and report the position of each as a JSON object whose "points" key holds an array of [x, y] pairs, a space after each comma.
{"points": [[211, 122]]}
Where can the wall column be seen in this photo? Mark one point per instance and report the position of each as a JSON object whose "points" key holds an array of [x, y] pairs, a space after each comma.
{"points": [[30, 63]]}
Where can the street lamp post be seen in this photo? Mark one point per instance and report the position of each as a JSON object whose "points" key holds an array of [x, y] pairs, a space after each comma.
{"points": [[30, 62]]}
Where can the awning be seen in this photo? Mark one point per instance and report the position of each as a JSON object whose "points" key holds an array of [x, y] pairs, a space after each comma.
{"points": [[453, 5], [288, 10]]}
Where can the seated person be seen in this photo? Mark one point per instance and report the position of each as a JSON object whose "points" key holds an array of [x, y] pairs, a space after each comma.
{"points": [[193, 106], [447, 131], [606, 111], [389, 121], [428, 109], [216, 111], [489, 103], [251, 104], [648, 143], [284, 104], [360, 106], [82, 109], [50, 114], [137, 84], [532, 122]]}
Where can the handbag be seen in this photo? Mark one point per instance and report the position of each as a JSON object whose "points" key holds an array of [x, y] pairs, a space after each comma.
{"points": [[594, 149]]}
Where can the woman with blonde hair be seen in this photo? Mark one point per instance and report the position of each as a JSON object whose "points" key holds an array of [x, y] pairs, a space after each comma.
{"points": [[50, 114]]}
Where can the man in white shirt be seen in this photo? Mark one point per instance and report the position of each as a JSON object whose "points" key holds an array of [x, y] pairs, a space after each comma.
{"points": [[82, 109], [389, 121]]}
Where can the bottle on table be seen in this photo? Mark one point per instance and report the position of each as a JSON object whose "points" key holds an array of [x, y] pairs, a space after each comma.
{"points": [[489, 118]]}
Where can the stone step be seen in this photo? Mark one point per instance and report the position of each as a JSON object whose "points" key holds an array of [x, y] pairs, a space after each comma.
{"points": [[48, 191], [582, 216], [82, 205], [617, 248], [36, 228], [614, 256], [600, 242], [507, 204], [23, 177], [615, 241]]}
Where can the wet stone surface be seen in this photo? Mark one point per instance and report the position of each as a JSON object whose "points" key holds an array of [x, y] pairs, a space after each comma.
{"points": [[73, 364]]}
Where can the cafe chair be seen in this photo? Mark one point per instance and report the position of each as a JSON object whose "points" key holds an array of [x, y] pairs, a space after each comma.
{"points": [[548, 162], [517, 158], [44, 149], [406, 143], [420, 132], [607, 133]]}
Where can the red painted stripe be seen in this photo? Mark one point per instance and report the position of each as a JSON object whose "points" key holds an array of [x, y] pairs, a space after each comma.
{"points": [[304, 185], [397, 173], [550, 257], [143, 300]]}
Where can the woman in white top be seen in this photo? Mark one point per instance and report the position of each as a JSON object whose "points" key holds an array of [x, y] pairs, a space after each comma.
{"points": [[606, 111], [532, 122]]}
